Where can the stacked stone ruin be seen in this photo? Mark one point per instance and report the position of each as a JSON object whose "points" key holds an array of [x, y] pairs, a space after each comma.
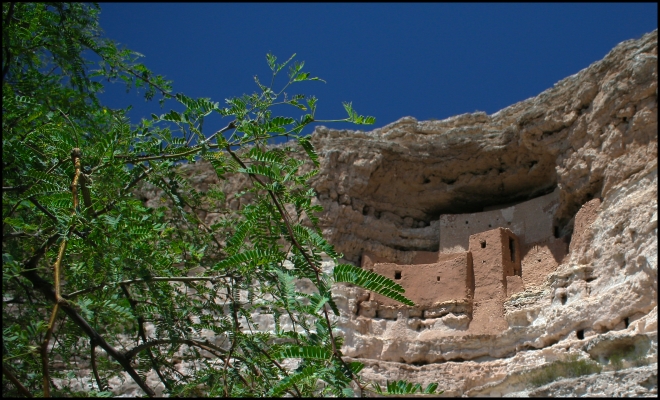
{"points": [[483, 259]]}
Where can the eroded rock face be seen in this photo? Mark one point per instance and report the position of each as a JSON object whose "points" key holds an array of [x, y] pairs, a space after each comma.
{"points": [[585, 135], [593, 138]]}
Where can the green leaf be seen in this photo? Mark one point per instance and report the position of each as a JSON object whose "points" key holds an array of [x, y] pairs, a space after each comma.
{"points": [[356, 367], [430, 389], [355, 118], [271, 61], [295, 103], [402, 387], [253, 256], [319, 302], [271, 156], [261, 170], [172, 116], [295, 69], [311, 102], [311, 352], [277, 67], [309, 149], [303, 76], [291, 380], [371, 281], [240, 235]]}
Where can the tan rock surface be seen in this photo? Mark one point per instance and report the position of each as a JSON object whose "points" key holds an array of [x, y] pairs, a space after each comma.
{"points": [[593, 136]]}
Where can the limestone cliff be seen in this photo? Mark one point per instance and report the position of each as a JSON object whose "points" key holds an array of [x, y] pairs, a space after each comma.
{"points": [[591, 141], [593, 137]]}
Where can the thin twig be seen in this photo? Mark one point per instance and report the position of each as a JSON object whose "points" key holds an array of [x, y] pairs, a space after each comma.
{"points": [[231, 125], [47, 289], [23, 189], [150, 279], [75, 157], [7, 60], [54, 218], [133, 159], [126, 188], [233, 342], [21, 389], [42, 208], [157, 342], [87, 195], [96, 372], [140, 76], [143, 335], [44, 351], [279, 367], [58, 263]]}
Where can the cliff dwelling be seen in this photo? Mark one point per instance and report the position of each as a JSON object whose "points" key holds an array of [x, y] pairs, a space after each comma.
{"points": [[483, 259], [501, 292]]}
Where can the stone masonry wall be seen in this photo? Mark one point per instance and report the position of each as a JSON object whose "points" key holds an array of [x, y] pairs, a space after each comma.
{"points": [[532, 221], [430, 284]]}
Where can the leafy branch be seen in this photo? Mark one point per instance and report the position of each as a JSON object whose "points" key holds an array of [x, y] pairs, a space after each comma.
{"points": [[132, 271]]}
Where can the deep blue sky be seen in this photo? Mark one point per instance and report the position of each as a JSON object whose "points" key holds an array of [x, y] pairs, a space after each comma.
{"points": [[391, 60]]}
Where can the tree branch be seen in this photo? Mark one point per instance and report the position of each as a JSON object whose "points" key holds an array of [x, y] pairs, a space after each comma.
{"points": [[160, 157], [94, 370], [48, 291], [23, 189], [5, 28], [126, 188], [143, 335], [151, 279], [231, 125], [190, 342], [21, 389], [52, 216]]}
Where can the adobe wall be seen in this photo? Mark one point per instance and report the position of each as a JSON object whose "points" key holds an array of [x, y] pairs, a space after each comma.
{"points": [[532, 221], [495, 255], [401, 257], [541, 258], [495, 258], [369, 259], [495, 265], [450, 278]]}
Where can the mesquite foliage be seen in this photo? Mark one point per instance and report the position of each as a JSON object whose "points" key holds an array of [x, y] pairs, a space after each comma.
{"points": [[97, 286]]}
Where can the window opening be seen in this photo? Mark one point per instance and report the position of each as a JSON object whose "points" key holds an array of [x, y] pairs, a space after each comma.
{"points": [[397, 274], [512, 249], [580, 334]]}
